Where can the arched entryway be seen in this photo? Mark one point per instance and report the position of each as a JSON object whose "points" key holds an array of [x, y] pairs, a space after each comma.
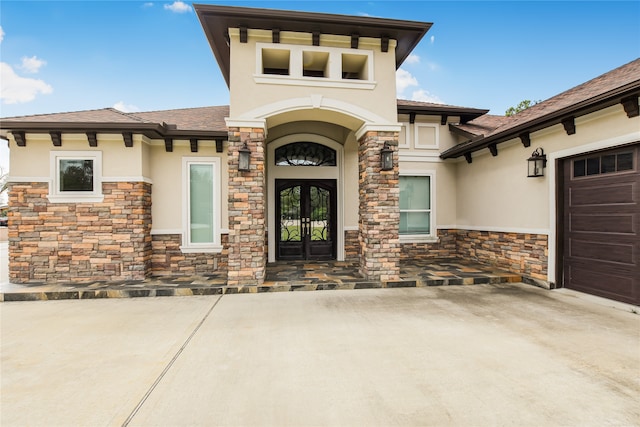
{"points": [[305, 198]]}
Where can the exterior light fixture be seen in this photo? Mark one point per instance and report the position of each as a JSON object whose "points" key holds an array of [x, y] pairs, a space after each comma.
{"points": [[244, 155], [386, 157], [536, 163]]}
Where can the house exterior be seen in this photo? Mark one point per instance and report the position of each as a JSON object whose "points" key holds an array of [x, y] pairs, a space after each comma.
{"points": [[337, 169]]}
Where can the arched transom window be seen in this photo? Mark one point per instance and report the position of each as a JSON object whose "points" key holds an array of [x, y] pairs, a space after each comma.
{"points": [[305, 154]]}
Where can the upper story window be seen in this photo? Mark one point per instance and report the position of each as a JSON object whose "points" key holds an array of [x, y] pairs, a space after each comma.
{"points": [[314, 66], [305, 154], [76, 177]]}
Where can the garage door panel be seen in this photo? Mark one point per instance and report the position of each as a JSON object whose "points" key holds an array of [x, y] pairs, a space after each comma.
{"points": [[598, 194], [616, 285], [602, 223], [601, 247], [604, 252]]}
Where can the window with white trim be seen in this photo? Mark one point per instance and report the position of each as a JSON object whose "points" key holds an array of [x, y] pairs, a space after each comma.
{"points": [[76, 177], [415, 206], [201, 204]]}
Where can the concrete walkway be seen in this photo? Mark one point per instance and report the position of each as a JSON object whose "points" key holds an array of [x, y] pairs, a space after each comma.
{"points": [[484, 355]]}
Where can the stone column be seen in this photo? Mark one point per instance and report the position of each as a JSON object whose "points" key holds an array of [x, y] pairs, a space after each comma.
{"points": [[379, 208], [247, 208]]}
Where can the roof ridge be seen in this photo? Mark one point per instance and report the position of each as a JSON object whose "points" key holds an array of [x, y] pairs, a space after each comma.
{"points": [[128, 115], [59, 112], [184, 108]]}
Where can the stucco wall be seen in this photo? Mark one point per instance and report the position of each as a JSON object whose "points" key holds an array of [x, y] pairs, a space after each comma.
{"points": [[246, 94], [166, 174], [118, 161], [494, 193]]}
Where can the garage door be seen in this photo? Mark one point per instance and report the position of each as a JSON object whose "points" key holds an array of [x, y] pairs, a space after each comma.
{"points": [[601, 253]]}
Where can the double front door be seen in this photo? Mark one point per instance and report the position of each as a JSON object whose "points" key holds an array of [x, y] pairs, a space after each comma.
{"points": [[305, 219]]}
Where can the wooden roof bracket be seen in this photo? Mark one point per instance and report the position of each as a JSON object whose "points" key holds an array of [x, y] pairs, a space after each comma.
{"points": [[128, 139], [467, 157], [631, 106], [168, 145], [355, 40], [412, 118], [443, 119], [493, 148], [243, 34], [275, 35], [19, 136], [525, 138], [569, 125], [219, 145], [194, 145], [56, 138], [384, 44], [316, 38], [92, 137]]}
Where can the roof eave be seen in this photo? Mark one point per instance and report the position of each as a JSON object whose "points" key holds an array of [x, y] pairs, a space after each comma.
{"points": [[576, 110], [150, 130], [407, 33]]}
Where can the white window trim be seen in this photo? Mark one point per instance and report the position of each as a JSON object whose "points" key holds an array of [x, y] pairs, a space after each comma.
{"points": [[216, 245], [57, 196], [432, 237], [416, 130], [405, 144]]}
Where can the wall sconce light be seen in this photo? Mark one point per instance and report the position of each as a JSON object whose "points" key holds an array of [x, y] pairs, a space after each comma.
{"points": [[244, 156], [386, 157], [536, 163]]}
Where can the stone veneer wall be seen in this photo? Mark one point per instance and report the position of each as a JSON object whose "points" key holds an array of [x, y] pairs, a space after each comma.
{"points": [[445, 247], [351, 245], [526, 254], [379, 213], [247, 210], [50, 242], [169, 260]]}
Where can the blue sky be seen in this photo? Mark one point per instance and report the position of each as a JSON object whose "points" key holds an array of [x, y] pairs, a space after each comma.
{"points": [[151, 55]]}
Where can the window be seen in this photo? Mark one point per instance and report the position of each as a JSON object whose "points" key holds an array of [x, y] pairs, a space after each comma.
{"points": [[76, 177], [317, 66], [608, 163], [415, 205], [201, 205], [305, 154]]}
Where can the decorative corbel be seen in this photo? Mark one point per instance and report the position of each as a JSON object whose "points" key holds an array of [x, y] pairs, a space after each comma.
{"points": [[93, 139], [412, 118], [443, 119], [219, 145], [569, 125], [168, 145], [467, 157], [631, 106], [275, 35], [56, 138], [316, 38], [384, 44], [525, 138], [355, 40], [493, 148], [243, 34], [128, 139], [194, 145], [19, 136]]}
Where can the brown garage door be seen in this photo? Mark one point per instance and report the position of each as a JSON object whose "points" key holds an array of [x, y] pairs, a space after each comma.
{"points": [[601, 251]]}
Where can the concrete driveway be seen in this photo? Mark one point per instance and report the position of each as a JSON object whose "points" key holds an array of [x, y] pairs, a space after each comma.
{"points": [[479, 355]]}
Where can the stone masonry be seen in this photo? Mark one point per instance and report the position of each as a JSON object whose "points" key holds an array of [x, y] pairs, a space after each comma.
{"points": [[50, 242], [169, 260], [525, 254], [379, 209], [247, 210]]}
